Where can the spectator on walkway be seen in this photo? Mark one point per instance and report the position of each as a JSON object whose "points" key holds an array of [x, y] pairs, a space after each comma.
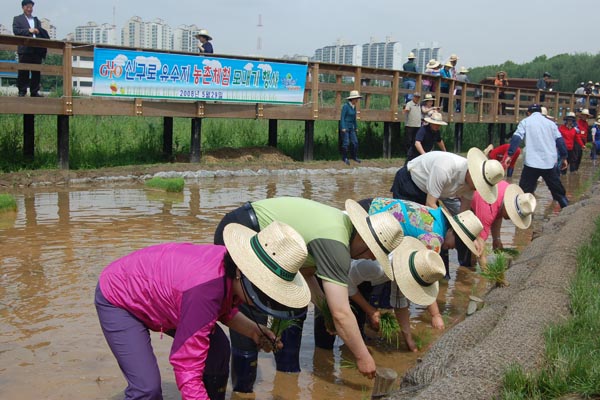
{"points": [[445, 85], [204, 45], [568, 131], [544, 144], [427, 136], [28, 25], [412, 110], [409, 82], [348, 128], [432, 68], [501, 81], [595, 129], [453, 60], [463, 78], [427, 107], [543, 85]]}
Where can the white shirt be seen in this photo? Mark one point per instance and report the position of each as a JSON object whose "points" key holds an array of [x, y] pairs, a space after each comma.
{"points": [[540, 136], [31, 21], [364, 271], [440, 174]]}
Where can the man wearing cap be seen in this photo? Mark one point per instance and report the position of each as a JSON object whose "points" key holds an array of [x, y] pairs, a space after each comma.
{"points": [[28, 25], [204, 45], [544, 144], [409, 82], [333, 238], [412, 110], [427, 136]]}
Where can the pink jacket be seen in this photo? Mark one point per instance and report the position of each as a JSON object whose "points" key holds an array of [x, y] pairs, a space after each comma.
{"points": [[178, 286]]}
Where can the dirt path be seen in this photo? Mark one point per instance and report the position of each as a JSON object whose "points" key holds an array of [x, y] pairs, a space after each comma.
{"points": [[469, 361]]}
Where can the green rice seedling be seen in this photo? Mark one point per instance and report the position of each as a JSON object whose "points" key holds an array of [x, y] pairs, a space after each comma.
{"points": [[495, 270], [388, 324], [508, 251], [174, 185], [7, 203], [348, 364], [277, 326], [422, 339], [326, 314]]}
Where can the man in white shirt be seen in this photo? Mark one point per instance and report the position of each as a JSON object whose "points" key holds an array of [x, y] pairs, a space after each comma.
{"points": [[412, 110]]}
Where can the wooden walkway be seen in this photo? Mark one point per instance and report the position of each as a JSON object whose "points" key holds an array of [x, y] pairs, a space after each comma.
{"points": [[326, 88]]}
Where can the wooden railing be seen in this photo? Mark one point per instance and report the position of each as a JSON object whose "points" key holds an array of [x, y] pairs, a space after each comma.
{"points": [[326, 87]]}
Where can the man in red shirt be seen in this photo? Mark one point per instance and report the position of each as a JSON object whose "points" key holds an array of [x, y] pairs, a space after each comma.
{"points": [[499, 153]]}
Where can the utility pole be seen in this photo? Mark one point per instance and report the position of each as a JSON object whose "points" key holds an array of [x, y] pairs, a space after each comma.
{"points": [[259, 38]]}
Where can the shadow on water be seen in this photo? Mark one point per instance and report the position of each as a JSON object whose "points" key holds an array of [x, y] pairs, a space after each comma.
{"points": [[56, 244]]}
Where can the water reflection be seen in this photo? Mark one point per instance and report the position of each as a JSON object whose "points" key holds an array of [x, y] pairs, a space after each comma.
{"points": [[58, 241]]}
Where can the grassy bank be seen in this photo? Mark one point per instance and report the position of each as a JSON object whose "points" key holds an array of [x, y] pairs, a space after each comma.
{"points": [[104, 141], [572, 366]]}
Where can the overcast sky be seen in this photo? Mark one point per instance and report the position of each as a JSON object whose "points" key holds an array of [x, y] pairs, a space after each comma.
{"points": [[480, 32]]}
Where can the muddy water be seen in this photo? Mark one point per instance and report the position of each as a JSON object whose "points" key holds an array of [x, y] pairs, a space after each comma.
{"points": [[54, 247]]}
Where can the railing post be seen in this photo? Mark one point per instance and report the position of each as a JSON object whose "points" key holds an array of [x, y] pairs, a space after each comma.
{"points": [[68, 79], [315, 91], [395, 95]]}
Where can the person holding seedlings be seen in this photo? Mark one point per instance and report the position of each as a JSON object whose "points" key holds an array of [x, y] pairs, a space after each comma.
{"points": [[183, 289], [333, 238]]}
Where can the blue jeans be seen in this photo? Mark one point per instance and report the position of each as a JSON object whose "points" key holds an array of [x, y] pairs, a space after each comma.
{"points": [[409, 84]]}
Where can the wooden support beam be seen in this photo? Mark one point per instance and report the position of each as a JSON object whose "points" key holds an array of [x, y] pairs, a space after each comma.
{"points": [[62, 141], [168, 138], [309, 140], [458, 137], [195, 143], [29, 136], [273, 133], [387, 140]]}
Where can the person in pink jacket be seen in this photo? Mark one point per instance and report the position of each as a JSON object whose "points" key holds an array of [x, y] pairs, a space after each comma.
{"points": [[183, 289]]}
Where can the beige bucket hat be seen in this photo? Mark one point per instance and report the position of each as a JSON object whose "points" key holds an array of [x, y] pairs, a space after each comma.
{"points": [[454, 57], [485, 174], [381, 232], [411, 55], [585, 111], [417, 271], [354, 94], [464, 70], [428, 97], [466, 225], [271, 260], [519, 206], [436, 119], [432, 64], [203, 32]]}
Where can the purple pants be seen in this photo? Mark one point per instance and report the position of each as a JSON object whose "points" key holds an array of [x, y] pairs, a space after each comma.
{"points": [[129, 341]]}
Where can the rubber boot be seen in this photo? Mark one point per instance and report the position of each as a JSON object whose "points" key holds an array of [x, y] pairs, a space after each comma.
{"points": [[354, 152], [563, 202], [446, 258], [243, 370], [345, 155], [216, 386], [288, 358], [509, 172]]}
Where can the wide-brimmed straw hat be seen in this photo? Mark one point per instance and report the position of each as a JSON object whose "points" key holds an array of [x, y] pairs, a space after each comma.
{"points": [[487, 150], [466, 225], [545, 113], [519, 206], [203, 32], [354, 94], [453, 57], [464, 70], [411, 55], [381, 232], [432, 64], [428, 97], [485, 174], [570, 114], [271, 259], [585, 111], [436, 119], [448, 64], [417, 271]]}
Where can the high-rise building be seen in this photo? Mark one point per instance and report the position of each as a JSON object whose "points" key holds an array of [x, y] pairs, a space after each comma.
{"points": [[94, 33], [150, 35], [339, 53], [47, 25], [386, 54], [424, 54], [184, 38]]}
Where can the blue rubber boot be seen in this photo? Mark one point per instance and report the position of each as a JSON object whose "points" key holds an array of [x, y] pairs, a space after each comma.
{"points": [[509, 172], [288, 358], [243, 370]]}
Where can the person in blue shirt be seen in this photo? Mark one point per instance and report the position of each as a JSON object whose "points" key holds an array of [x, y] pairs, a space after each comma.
{"points": [[348, 128], [544, 144], [205, 46]]}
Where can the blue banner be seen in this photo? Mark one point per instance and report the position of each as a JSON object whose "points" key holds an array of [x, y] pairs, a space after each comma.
{"points": [[124, 73]]}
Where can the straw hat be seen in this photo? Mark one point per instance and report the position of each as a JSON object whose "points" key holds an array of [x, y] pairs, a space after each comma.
{"points": [[417, 271], [417, 94], [411, 55], [453, 57], [519, 206], [466, 225], [570, 114], [432, 64], [381, 232], [487, 150], [203, 32], [585, 111], [436, 119], [448, 64], [428, 97], [464, 70], [485, 174], [271, 260], [354, 95], [545, 113]]}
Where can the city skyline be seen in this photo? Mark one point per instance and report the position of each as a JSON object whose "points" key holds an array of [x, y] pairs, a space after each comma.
{"points": [[480, 33]]}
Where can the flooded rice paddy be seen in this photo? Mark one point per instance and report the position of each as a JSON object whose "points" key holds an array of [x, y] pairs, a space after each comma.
{"points": [[54, 247]]}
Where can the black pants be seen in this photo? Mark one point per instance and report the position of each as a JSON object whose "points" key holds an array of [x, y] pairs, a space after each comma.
{"points": [[528, 183], [405, 189], [23, 76]]}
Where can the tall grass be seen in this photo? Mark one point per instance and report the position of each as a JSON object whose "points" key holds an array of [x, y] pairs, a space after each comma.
{"points": [[106, 141], [571, 369], [7, 203]]}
